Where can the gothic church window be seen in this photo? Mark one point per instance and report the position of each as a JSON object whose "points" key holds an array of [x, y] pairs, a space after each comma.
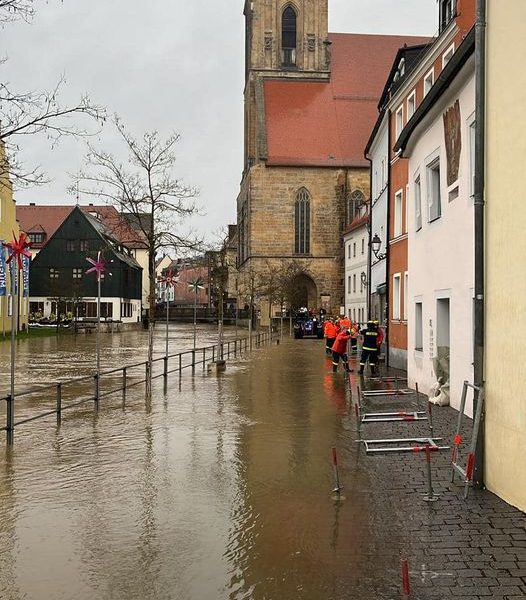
{"points": [[354, 204], [302, 222], [288, 37]]}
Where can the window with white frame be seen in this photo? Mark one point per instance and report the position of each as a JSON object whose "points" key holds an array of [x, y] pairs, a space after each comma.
{"points": [[411, 104], [399, 121], [363, 245], [433, 190], [448, 55], [429, 80], [406, 283], [418, 204], [354, 283], [419, 338], [349, 284], [349, 251], [406, 208], [396, 297], [399, 200], [354, 250]]}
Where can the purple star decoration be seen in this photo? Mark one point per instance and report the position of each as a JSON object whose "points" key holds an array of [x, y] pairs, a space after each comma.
{"points": [[99, 266]]}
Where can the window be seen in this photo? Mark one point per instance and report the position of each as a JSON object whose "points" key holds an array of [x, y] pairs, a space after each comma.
{"points": [[354, 250], [53, 273], [429, 80], [399, 123], [126, 309], [71, 245], [77, 273], [433, 190], [349, 284], [419, 342], [354, 283], [406, 283], [354, 203], [448, 55], [411, 105], [363, 245], [354, 314], [288, 37], [418, 204], [302, 222], [399, 200], [396, 297], [83, 245], [447, 13], [36, 238], [349, 251]]}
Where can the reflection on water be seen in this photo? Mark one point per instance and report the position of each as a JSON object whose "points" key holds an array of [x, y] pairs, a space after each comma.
{"points": [[219, 488]]}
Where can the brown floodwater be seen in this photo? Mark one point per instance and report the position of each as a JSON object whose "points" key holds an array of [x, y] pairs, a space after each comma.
{"points": [[219, 487]]}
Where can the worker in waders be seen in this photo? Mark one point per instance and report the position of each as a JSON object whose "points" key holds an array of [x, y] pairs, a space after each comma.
{"points": [[339, 350], [330, 331], [369, 348]]}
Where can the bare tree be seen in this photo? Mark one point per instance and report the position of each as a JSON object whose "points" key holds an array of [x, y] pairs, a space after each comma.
{"points": [[25, 113], [249, 288], [12, 10], [145, 188]]}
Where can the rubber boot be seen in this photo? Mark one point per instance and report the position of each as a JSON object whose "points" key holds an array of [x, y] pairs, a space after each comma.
{"points": [[334, 368]]}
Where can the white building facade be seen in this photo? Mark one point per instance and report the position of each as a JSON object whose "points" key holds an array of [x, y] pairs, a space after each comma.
{"points": [[356, 244], [378, 153], [441, 237]]}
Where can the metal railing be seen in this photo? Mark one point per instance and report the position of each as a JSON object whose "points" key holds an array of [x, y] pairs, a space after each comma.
{"points": [[63, 395]]}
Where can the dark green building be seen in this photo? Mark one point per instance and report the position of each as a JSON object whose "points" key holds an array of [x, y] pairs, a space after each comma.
{"points": [[60, 285]]}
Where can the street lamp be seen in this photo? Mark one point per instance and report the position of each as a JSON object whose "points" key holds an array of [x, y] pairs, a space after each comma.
{"points": [[376, 244]]}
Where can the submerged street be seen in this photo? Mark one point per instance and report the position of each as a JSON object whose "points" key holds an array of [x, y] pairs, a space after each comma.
{"points": [[220, 488]]}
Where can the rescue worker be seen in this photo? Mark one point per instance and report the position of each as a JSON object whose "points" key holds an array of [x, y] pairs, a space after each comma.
{"points": [[380, 338], [330, 331], [339, 350], [345, 322], [369, 348]]}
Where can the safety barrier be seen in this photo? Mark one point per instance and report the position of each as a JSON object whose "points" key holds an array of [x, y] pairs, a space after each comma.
{"points": [[466, 473], [63, 394]]}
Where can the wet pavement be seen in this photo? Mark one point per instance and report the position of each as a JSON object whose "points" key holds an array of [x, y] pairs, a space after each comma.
{"points": [[221, 488]]}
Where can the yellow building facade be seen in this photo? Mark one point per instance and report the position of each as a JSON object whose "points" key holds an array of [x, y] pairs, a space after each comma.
{"points": [[505, 344], [8, 226]]}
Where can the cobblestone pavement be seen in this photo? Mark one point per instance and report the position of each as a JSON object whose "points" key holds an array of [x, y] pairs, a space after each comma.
{"points": [[462, 549]]}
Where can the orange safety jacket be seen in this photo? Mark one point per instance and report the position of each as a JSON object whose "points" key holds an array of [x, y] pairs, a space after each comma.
{"points": [[330, 330], [345, 323]]}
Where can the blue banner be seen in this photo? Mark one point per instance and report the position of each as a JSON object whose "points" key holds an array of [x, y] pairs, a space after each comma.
{"points": [[3, 277], [26, 262]]}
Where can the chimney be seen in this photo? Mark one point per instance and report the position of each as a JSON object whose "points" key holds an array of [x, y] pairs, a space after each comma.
{"points": [[32, 204]]}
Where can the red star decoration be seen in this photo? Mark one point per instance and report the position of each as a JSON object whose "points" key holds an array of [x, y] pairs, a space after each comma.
{"points": [[18, 248]]}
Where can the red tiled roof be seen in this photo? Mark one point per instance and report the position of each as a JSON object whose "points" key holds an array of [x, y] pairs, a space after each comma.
{"points": [[48, 218], [328, 124]]}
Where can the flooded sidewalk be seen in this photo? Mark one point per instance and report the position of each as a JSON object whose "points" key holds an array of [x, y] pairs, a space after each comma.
{"points": [[221, 488]]}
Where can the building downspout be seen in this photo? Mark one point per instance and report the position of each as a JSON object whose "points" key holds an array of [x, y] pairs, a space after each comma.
{"points": [[479, 258], [369, 244], [387, 247]]}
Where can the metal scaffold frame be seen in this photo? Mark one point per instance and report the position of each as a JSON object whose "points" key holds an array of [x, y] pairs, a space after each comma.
{"points": [[467, 473]]}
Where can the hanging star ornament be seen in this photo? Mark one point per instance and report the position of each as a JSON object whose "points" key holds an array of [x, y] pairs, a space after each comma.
{"points": [[18, 248], [99, 266]]}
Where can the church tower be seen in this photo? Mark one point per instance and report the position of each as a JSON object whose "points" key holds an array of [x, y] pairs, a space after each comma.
{"points": [[287, 38]]}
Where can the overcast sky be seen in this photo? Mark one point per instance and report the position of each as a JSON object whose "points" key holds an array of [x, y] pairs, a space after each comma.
{"points": [[171, 65]]}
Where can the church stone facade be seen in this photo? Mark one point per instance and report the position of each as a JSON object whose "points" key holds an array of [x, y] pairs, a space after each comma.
{"points": [[310, 102]]}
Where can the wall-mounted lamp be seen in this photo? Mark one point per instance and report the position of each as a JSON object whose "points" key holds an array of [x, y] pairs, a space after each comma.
{"points": [[363, 277], [376, 243]]}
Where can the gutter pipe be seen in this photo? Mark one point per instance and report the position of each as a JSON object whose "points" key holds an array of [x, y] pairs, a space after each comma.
{"points": [[479, 200], [387, 248]]}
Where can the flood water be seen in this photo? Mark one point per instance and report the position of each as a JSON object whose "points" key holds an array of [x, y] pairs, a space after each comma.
{"points": [[217, 488]]}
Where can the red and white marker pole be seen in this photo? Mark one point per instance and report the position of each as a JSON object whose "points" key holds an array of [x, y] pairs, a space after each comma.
{"points": [[405, 578], [338, 488]]}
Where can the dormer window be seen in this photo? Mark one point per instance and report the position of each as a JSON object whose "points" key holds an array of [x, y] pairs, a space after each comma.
{"points": [[288, 37], [448, 9]]}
